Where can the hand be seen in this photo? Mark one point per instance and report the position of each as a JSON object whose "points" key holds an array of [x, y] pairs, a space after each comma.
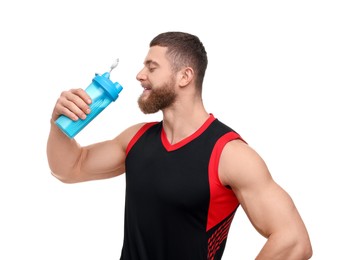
{"points": [[73, 103]]}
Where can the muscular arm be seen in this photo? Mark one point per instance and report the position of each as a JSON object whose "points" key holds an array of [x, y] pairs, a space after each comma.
{"points": [[68, 161], [269, 207]]}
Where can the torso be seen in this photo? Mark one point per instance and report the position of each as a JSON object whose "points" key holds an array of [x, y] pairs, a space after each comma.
{"points": [[176, 207]]}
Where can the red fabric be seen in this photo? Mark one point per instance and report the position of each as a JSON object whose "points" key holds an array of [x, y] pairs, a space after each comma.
{"points": [[222, 200], [171, 147], [140, 132]]}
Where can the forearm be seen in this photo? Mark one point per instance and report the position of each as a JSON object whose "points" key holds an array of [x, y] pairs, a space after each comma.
{"points": [[63, 154]]}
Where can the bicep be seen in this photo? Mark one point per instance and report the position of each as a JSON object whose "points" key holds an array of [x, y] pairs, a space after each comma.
{"points": [[102, 160], [269, 208], [266, 204], [106, 159]]}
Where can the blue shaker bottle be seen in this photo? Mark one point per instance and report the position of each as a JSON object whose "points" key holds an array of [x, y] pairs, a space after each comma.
{"points": [[102, 92]]}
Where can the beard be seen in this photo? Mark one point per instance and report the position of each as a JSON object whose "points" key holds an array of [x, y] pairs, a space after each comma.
{"points": [[158, 98]]}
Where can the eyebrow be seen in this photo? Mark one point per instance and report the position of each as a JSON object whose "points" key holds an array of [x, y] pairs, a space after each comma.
{"points": [[151, 62]]}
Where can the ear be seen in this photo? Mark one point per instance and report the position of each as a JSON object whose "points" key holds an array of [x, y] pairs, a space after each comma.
{"points": [[186, 76]]}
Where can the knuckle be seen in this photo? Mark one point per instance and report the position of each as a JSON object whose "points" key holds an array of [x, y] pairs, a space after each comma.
{"points": [[63, 93]]}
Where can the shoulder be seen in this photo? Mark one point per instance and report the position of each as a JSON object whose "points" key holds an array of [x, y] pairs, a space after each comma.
{"points": [[228, 133], [124, 138], [240, 165]]}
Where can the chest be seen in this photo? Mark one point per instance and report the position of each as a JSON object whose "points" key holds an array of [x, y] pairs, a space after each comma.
{"points": [[177, 177]]}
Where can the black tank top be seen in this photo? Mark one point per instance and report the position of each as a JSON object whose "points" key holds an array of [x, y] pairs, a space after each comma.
{"points": [[176, 207]]}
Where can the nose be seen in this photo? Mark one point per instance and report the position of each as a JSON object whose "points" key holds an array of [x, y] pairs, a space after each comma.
{"points": [[141, 75]]}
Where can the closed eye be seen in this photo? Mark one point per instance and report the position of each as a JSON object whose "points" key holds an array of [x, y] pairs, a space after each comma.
{"points": [[151, 65]]}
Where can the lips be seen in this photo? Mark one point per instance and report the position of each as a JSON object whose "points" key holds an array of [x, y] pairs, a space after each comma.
{"points": [[146, 87]]}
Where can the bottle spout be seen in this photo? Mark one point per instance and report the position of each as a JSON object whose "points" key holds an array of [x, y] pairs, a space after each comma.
{"points": [[106, 75], [114, 65]]}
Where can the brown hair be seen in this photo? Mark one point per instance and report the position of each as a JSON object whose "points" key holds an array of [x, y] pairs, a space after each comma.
{"points": [[184, 49]]}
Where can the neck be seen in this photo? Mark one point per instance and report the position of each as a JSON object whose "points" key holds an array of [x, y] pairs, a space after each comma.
{"points": [[183, 119]]}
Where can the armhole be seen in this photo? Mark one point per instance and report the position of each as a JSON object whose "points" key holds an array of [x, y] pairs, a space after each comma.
{"points": [[222, 199], [139, 133], [217, 151]]}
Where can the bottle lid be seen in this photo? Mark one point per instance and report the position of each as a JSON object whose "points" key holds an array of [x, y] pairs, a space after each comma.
{"points": [[112, 89]]}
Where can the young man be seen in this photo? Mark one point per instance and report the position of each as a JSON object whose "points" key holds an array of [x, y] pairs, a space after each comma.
{"points": [[185, 175]]}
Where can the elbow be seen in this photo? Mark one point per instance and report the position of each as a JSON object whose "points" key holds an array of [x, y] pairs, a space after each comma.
{"points": [[64, 178], [294, 247], [303, 249]]}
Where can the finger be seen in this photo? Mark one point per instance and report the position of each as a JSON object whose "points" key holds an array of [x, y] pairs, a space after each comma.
{"points": [[70, 114], [72, 104], [81, 99], [76, 106], [82, 94]]}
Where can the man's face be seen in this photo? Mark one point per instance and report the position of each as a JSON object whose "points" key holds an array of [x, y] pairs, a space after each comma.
{"points": [[158, 82]]}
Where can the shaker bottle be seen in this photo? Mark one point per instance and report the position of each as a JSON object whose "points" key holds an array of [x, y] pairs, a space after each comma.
{"points": [[102, 92]]}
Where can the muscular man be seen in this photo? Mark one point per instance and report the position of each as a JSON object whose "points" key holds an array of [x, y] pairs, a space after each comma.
{"points": [[187, 174]]}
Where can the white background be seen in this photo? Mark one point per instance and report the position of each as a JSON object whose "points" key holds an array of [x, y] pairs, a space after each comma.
{"points": [[281, 73]]}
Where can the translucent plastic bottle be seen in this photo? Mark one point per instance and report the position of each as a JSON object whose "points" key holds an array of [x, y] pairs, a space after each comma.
{"points": [[102, 92]]}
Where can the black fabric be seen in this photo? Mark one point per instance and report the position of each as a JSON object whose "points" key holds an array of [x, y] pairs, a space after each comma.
{"points": [[167, 197]]}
